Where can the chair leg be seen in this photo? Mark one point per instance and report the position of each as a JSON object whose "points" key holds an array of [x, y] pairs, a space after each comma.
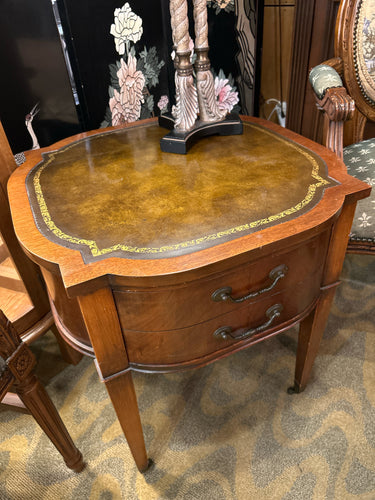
{"points": [[37, 401], [69, 354]]}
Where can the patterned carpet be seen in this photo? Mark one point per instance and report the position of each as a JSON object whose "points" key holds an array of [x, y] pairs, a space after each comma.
{"points": [[226, 431]]}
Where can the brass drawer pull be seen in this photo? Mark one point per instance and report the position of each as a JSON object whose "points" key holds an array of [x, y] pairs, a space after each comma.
{"points": [[272, 313], [223, 294]]}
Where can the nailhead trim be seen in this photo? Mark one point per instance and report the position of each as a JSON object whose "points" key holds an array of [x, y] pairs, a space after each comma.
{"points": [[364, 240]]}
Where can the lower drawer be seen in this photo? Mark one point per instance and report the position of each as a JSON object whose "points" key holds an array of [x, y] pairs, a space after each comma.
{"points": [[194, 342]]}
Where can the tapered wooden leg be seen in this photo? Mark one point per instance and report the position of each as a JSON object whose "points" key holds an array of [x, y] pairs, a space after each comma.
{"points": [[310, 334], [102, 323], [37, 401], [68, 353], [312, 328], [123, 397]]}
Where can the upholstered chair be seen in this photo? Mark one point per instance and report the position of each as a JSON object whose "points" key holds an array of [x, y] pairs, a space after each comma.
{"points": [[345, 92]]}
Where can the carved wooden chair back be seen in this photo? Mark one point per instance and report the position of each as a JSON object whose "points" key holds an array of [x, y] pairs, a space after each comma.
{"points": [[345, 92], [355, 47], [16, 369]]}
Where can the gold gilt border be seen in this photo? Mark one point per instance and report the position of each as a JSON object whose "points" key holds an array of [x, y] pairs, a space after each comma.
{"points": [[96, 251]]}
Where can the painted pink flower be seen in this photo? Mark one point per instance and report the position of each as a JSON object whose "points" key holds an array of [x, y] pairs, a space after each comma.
{"points": [[226, 97], [118, 115], [126, 105], [163, 102]]}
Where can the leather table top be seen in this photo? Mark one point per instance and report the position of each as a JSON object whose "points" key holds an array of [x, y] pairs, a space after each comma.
{"points": [[116, 194]]}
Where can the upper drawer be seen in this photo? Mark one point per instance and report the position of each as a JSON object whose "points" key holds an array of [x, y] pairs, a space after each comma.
{"points": [[167, 308]]}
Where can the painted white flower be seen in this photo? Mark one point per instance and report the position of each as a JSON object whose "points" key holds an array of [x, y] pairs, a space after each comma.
{"points": [[363, 168], [364, 151], [371, 182], [371, 161], [355, 159], [126, 28], [365, 220]]}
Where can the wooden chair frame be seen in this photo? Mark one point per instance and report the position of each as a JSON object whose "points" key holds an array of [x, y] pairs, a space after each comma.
{"points": [[348, 108], [30, 393]]}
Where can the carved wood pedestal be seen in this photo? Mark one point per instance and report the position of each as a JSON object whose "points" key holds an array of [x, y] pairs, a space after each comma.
{"points": [[157, 262]]}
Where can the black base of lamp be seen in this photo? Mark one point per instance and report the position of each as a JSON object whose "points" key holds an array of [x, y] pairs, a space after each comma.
{"points": [[180, 142]]}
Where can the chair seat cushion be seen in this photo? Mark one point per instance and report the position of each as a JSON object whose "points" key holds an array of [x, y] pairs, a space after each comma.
{"points": [[360, 161]]}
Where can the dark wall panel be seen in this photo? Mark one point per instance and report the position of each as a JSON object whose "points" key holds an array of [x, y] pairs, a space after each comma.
{"points": [[33, 70]]}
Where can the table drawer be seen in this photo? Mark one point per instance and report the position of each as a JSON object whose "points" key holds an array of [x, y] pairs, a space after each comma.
{"points": [[167, 308], [187, 344]]}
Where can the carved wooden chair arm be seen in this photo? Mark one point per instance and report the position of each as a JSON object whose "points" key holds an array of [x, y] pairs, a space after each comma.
{"points": [[337, 104], [336, 63], [333, 99]]}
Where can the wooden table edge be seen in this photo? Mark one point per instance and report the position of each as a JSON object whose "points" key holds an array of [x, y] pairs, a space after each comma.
{"points": [[75, 272]]}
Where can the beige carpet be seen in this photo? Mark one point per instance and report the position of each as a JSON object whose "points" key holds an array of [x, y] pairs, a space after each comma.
{"points": [[226, 431]]}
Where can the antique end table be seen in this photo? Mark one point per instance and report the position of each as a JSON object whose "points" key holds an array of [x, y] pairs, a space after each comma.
{"points": [[158, 262]]}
